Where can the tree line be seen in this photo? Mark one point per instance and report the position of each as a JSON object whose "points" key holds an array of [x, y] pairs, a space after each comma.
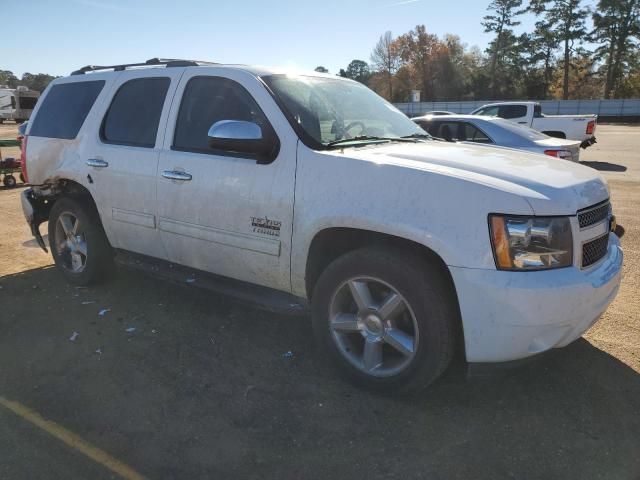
{"points": [[573, 52], [37, 82]]}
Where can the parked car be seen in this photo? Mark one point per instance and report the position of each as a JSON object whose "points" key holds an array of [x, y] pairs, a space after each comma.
{"points": [[315, 188], [438, 113], [573, 127], [499, 132], [17, 103]]}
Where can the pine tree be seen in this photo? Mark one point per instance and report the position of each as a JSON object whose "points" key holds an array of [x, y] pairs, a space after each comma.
{"points": [[500, 22], [566, 20]]}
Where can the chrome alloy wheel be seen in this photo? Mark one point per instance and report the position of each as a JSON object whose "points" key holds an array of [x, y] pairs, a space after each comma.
{"points": [[373, 326], [70, 242]]}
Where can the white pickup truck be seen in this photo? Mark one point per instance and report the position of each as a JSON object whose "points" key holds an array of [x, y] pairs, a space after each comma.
{"points": [[571, 127], [313, 188]]}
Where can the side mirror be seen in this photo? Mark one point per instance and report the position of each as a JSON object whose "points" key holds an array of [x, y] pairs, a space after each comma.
{"points": [[243, 137]]}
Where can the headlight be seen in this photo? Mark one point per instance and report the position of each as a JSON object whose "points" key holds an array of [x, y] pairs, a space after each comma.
{"points": [[531, 243]]}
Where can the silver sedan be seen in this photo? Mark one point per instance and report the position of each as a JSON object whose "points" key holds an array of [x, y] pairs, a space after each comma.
{"points": [[497, 131]]}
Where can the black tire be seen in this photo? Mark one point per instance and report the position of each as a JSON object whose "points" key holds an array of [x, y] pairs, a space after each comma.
{"points": [[9, 181], [428, 293], [99, 254]]}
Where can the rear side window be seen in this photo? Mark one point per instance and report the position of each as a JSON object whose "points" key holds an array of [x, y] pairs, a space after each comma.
{"points": [[470, 133], [512, 111], [134, 114], [65, 108], [208, 100]]}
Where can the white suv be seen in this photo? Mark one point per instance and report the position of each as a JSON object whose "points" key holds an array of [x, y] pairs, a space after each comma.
{"points": [[405, 247]]}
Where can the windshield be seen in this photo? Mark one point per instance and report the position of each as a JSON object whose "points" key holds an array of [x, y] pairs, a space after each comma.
{"points": [[520, 130], [328, 110]]}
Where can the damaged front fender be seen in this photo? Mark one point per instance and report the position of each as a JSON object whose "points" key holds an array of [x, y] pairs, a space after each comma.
{"points": [[36, 210]]}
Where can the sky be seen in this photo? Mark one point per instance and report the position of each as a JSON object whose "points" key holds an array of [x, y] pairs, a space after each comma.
{"points": [[63, 35]]}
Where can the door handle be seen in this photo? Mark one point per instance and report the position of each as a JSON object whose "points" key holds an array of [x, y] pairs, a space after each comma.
{"points": [[176, 175], [523, 123], [96, 162]]}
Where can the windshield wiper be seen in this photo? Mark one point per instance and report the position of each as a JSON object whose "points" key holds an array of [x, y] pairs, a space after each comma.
{"points": [[424, 136], [366, 138]]}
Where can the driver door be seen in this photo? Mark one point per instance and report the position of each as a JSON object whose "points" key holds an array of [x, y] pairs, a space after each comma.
{"points": [[223, 212]]}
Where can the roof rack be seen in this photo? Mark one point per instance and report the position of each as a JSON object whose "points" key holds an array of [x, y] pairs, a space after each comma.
{"points": [[167, 62]]}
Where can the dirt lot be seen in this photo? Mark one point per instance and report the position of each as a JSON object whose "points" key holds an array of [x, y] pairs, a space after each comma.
{"points": [[203, 389]]}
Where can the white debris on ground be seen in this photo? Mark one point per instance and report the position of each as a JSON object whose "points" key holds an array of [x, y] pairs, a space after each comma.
{"points": [[104, 311], [73, 336]]}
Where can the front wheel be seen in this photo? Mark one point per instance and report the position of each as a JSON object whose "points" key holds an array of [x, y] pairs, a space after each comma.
{"points": [[386, 318], [78, 243]]}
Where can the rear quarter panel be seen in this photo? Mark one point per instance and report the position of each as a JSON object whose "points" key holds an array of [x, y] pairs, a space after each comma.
{"points": [[50, 159]]}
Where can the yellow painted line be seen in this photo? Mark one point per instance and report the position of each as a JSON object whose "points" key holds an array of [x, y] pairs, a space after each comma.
{"points": [[72, 440]]}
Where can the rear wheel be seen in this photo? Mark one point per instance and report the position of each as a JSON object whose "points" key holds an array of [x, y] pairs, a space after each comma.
{"points": [[386, 318], [78, 243]]}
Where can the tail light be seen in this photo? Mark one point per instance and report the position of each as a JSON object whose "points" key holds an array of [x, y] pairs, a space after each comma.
{"points": [[23, 158], [591, 127], [563, 154]]}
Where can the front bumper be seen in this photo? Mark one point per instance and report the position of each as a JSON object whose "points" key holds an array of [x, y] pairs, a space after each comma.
{"points": [[512, 315]]}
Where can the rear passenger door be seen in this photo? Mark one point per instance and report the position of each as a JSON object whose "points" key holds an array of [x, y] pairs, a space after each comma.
{"points": [[122, 159]]}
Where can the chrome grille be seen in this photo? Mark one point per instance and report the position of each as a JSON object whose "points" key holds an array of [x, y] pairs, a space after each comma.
{"points": [[594, 250], [592, 215]]}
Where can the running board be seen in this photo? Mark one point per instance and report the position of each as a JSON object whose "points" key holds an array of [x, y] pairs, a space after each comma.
{"points": [[261, 297]]}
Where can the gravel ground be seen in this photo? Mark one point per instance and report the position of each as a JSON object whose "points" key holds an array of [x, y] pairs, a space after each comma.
{"points": [[202, 387]]}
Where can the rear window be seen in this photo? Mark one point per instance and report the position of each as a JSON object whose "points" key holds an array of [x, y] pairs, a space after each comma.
{"points": [[512, 111], [27, 103], [65, 108], [134, 114]]}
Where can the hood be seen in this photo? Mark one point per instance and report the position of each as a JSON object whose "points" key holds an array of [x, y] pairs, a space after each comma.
{"points": [[550, 186]]}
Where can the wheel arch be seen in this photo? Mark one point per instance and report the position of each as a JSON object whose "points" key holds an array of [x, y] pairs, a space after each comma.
{"points": [[45, 196], [330, 243], [555, 134]]}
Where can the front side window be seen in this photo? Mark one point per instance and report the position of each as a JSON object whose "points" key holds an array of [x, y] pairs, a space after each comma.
{"points": [[488, 111], [65, 108], [134, 115], [325, 110], [207, 100]]}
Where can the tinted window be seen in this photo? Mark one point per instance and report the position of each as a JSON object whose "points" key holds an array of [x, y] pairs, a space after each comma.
{"points": [[470, 133], [208, 100], [426, 126], [446, 130], [512, 111], [537, 111], [489, 111], [134, 114], [27, 103], [65, 108]]}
